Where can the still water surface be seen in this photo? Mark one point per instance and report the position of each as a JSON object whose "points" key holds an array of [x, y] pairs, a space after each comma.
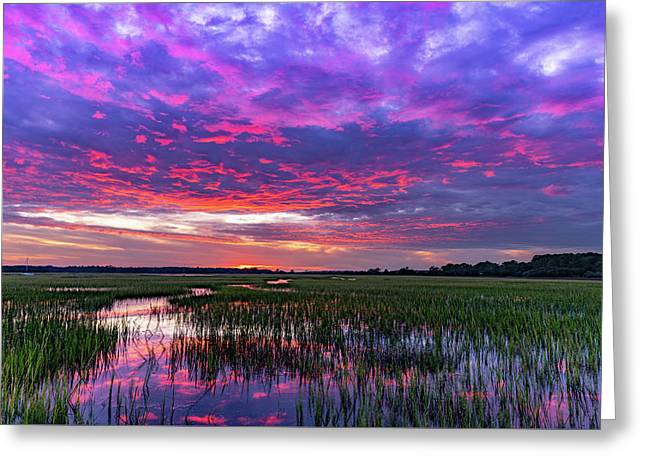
{"points": [[153, 378], [152, 389]]}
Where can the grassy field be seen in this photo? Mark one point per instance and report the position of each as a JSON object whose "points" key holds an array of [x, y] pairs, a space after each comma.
{"points": [[317, 350]]}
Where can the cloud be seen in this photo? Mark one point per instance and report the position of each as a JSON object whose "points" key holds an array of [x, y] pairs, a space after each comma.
{"points": [[180, 127], [334, 135], [555, 190], [556, 54], [169, 99]]}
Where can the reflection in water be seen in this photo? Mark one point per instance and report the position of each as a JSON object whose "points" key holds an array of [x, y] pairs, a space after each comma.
{"points": [[179, 364], [143, 386], [79, 289], [259, 288], [134, 307], [197, 291], [144, 383]]}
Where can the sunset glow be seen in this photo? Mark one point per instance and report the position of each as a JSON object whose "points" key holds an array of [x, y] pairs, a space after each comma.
{"points": [[302, 136]]}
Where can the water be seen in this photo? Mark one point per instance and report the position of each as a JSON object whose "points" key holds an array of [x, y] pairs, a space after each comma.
{"points": [[154, 389], [267, 289], [172, 369], [157, 390], [79, 289]]}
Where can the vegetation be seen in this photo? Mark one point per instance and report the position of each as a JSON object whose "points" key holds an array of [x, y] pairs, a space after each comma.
{"points": [[324, 351], [586, 265], [566, 265]]}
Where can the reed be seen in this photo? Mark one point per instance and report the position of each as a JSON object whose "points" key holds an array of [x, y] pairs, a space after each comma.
{"points": [[375, 351]]}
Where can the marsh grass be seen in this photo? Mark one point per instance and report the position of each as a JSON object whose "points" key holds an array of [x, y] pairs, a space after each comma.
{"points": [[378, 351]]}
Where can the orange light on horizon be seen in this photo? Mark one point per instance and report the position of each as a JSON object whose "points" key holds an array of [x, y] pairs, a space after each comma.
{"points": [[252, 266]]}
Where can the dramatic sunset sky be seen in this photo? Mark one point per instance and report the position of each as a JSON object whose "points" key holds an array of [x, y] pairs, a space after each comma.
{"points": [[302, 136]]}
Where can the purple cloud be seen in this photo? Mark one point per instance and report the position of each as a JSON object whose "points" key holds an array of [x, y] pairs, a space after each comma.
{"points": [[332, 135]]}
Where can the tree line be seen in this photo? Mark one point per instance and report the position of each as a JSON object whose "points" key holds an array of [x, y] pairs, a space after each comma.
{"points": [[564, 265]]}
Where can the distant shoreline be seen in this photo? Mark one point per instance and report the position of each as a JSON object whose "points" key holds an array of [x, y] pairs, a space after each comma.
{"points": [[305, 274], [548, 266]]}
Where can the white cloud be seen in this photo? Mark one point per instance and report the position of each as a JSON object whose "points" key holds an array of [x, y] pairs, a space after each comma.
{"points": [[188, 222], [359, 33], [213, 13], [268, 16], [470, 29], [128, 27], [554, 55]]}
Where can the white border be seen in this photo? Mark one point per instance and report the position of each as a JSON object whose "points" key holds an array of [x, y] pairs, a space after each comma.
{"points": [[607, 339]]}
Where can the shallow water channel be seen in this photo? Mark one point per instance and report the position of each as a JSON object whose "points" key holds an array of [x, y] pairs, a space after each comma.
{"points": [[161, 374], [143, 384]]}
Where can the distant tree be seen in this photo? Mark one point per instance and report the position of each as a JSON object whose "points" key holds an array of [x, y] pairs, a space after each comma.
{"points": [[573, 265], [486, 268], [406, 271], [434, 271], [462, 269]]}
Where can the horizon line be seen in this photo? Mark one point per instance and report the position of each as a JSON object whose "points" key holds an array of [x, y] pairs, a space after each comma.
{"points": [[282, 269]]}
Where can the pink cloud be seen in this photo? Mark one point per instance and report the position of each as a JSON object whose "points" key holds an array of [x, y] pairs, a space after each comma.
{"points": [[171, 100], [464, 164], [90, 85], [99, 159], [260, 133], [489, 173], [104, 161], [555, 190], [98, 115], [164, 142], [237, 128], [191, 173], [278, 140], [218, 139], [588, 164], [141, 139], [180, 127], [563, 108]]}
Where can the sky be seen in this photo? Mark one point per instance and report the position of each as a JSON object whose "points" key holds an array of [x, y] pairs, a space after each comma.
{"points": [[302, 136]]}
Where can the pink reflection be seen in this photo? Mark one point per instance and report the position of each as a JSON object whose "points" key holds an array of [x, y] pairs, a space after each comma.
{"points": [[133, 307], [273, 419], [80, 289], [255, 287], [151, 368], [561, 366], [197, 291], [473, 394], [207, 420], [289, 387]]}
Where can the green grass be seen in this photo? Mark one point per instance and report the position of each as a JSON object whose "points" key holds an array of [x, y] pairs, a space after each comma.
{"points": [[376, 351]]}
